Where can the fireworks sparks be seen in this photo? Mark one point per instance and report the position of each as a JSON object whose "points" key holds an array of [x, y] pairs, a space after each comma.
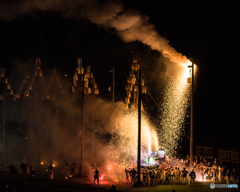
{"points": [[174, 106], [126, 137], [123, 147]]}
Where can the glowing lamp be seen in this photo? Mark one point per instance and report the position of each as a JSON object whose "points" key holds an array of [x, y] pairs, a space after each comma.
{"points": [[151, 160], [161, 153]]}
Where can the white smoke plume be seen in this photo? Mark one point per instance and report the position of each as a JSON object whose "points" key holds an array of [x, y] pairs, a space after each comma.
{"points": [[130, 25]]}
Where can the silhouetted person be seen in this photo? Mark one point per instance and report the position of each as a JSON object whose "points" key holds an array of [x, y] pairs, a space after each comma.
{"points": [[133, 173], [33, 172], [13, 168], [192, 177], [96, 176], [50, 171], [184, 174], [127, 175]]}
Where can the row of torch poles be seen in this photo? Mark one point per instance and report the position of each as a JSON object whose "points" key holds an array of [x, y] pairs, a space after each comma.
{"points": [[83, 87]]}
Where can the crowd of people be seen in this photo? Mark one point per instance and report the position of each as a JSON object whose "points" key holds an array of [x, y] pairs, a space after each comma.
{"points": [[178, 171], [25, 170], [170, 171], [160, 175]]}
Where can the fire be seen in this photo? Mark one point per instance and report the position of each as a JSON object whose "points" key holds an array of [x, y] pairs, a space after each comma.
{"points": [[101, 178], [42, 163]]}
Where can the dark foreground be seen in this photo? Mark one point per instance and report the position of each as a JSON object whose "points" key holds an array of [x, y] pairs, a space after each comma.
{"points": [[10, 182]]}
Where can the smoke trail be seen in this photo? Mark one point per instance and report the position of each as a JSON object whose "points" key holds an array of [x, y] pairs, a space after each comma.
{"points": [[130, 25]]}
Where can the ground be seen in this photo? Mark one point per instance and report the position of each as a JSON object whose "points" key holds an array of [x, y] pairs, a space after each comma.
{"points": [[42, 183]]}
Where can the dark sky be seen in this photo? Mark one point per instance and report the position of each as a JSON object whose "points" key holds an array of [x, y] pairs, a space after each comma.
{"points": [[208, 31]]}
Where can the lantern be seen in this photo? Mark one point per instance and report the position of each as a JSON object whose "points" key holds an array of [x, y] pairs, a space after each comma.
{"points": [[85, 83], [3, 72], [96, 91], [135, 88], [127, 100], [88, 69], [40, 73], [77, 70], [144, 89], [11, 92], [82, 70], [72, 89], [133, 67], [26, 93], [74, 83], [8, 86]]}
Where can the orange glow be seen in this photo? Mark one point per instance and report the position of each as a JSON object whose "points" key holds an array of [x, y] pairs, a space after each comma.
{"points": [[42, 163], [101, 178]]}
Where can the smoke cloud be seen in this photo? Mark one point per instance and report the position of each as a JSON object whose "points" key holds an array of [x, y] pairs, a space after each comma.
{"points": [[130, 25]]}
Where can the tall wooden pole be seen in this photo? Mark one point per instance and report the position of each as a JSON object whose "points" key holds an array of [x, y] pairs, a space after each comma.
{"points": [[191, 123], [4, 120], [82, 127], [139, 128], [93, 129], [113, 84]]}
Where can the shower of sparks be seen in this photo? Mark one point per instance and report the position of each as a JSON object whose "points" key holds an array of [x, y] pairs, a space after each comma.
{"points": [[174, 107], [123, 147]]}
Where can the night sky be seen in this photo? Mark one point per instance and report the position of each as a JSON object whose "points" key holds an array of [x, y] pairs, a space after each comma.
{"points": [[208, 31]]}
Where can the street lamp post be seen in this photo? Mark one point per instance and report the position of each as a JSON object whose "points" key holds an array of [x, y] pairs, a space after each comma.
{"points": [[191, 116]]}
